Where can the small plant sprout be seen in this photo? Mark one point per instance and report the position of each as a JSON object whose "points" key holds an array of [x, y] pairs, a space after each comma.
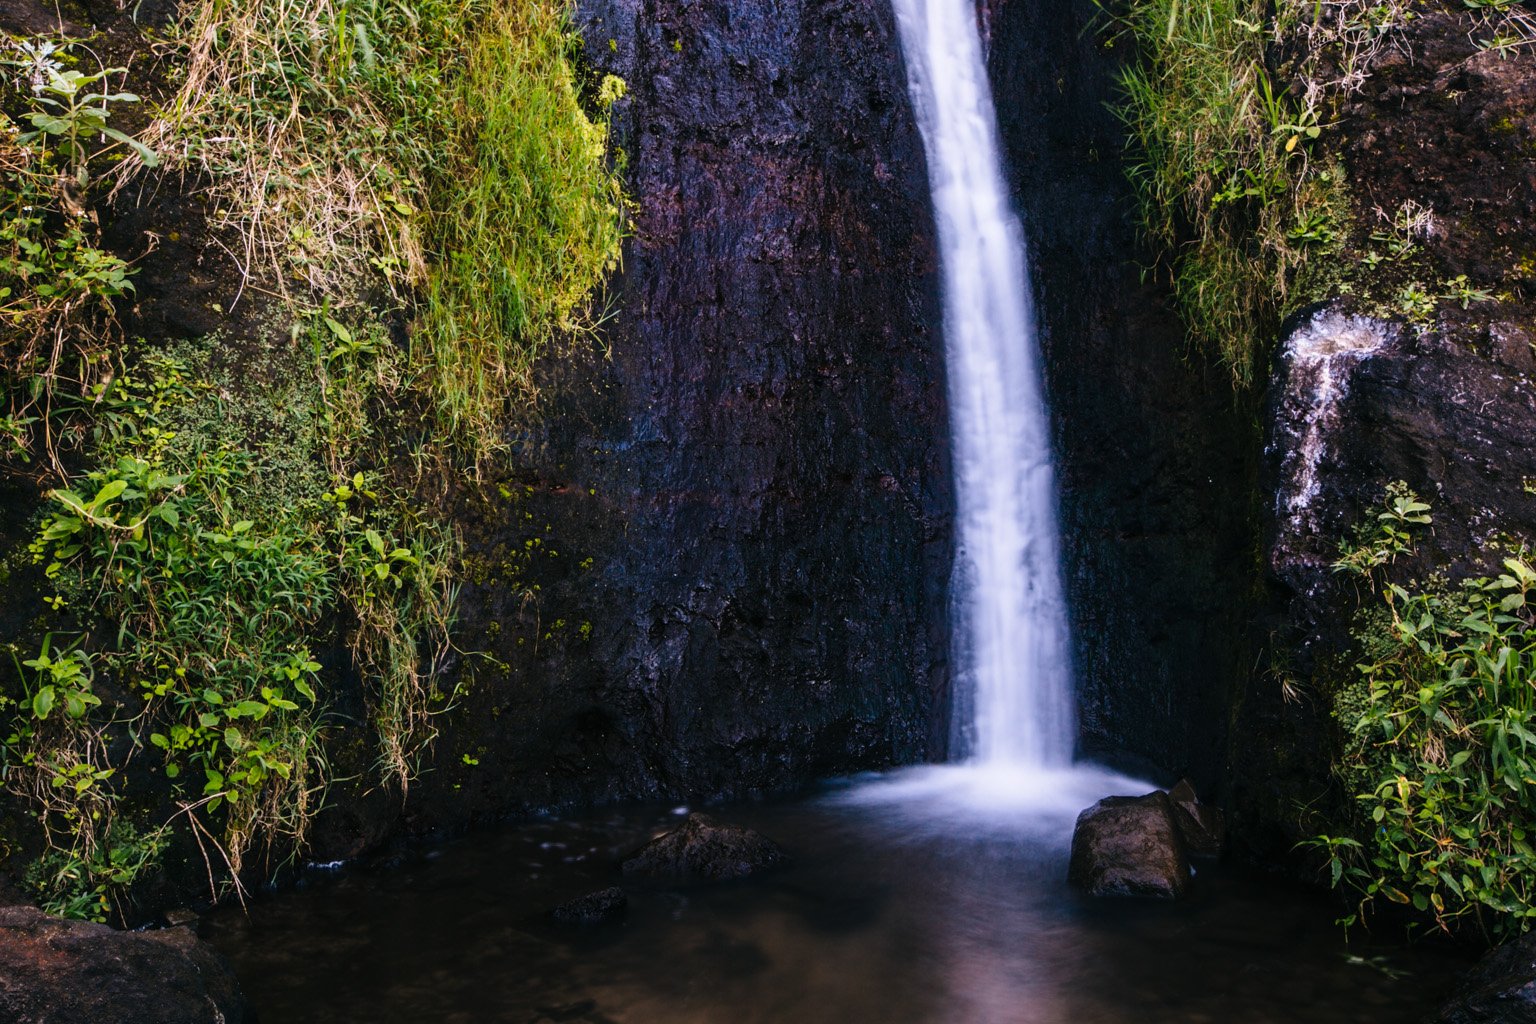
{"points": [[74, 114], [1416, 303], [1462, 291]]}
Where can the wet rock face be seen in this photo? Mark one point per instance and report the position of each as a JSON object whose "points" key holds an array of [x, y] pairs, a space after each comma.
{"points": [[1129, 846], [1359, 403], [749, 497], [54, 971], [700, 849], [1356, 405], [1318, 364], [1156, 465], [1499, 990]]}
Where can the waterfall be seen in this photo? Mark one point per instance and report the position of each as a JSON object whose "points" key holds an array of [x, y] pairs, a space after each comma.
{"points": [[1013, 675]]}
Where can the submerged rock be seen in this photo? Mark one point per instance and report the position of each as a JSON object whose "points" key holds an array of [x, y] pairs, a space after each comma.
{"points": [[601, 907], [701, 849], [1202, 829], [1499, 990], [1129, 846], [55, 971]]}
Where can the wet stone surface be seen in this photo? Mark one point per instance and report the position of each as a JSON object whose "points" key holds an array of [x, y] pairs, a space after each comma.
{"points": [[54, 971]]}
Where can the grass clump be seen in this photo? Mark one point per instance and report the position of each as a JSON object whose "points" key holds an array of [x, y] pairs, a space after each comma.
{"points": [[441, 147], [1233, 184], [1440, 739]]}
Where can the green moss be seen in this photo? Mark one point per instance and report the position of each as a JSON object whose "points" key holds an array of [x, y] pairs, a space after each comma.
{"points": [[529, 224]]}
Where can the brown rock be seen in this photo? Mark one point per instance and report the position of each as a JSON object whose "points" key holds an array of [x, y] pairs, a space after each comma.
{"points": [[1129, 846], [701, 849], [55, 971], [1501, 989], [1203, 829]]}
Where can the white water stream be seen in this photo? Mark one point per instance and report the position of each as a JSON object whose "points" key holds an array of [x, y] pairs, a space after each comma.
{"points": [[1013, 680]]}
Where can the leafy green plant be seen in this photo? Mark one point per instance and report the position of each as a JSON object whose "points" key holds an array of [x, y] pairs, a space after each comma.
{"points": [[1440, 748], [1380, 542], [1464, 292], [85, 883], [215, 613], [56, 283], [1416, 303], [72, 114]]}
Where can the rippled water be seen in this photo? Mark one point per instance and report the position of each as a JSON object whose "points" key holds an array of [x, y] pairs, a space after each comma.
{"points": [[907, 903]]}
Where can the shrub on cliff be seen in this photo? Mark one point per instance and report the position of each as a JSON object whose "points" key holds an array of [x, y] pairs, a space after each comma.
{"points": [[1440, 748], [239, 505]]}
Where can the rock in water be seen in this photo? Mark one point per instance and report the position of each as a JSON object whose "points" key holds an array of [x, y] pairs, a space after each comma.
{"points": [[701, 849], [1202, 829], [600, 907], [54, 971], [1129, 846], [1501, 989]]}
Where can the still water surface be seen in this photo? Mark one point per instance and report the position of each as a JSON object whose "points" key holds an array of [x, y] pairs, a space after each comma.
{"points": [[910, 902]]}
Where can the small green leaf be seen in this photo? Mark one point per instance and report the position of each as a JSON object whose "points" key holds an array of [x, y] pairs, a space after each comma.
{"points": [[42, 703]]}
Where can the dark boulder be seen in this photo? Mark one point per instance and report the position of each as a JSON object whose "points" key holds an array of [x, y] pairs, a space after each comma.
{"points": [[1499, 990], [1129, 846], [601, 907], [1202, 829], [55, 971], [701, 849]]}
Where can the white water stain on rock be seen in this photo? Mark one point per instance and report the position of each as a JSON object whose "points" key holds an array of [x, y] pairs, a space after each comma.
{"points": [[1320, 357]]}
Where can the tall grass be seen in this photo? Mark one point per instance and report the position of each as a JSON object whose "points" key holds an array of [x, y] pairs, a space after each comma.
{"points": [[1209, 170], [441, 146], [1227, 156]]}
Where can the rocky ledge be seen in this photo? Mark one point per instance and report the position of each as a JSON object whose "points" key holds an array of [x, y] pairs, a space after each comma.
{"points": [[55, 971]]}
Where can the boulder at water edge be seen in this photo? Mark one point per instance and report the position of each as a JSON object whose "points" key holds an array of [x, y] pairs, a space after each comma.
{"points": [[54, 971], [1499, 990], [1129, 846], [600, 907], [701, 849], [1202, 829]]}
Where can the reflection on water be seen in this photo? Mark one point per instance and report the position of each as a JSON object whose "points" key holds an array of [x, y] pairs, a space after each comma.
{"points": [[932, 897]]}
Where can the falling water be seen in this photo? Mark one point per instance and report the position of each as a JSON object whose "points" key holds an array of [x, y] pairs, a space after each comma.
{"points": [[1014, 678]]}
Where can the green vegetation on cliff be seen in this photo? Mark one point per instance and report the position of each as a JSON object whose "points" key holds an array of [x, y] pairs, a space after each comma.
{"points": [[419, 203], [1440, 757], [1231, 189], [1234, 110], [1365, 154]]}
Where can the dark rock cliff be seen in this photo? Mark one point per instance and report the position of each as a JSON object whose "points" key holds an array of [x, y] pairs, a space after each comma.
{"points": [[1156, 459], [718, 567], [1365, 394]]}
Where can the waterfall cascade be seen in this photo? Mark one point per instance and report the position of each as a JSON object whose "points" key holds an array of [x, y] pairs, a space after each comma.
{"points": [[1013, 681]]}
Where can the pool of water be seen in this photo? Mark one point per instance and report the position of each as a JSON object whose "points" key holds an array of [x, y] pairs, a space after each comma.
{"points": [[930, 897]]}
